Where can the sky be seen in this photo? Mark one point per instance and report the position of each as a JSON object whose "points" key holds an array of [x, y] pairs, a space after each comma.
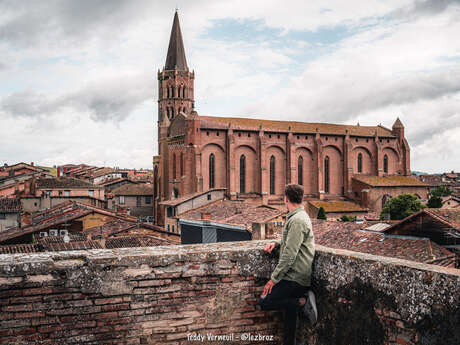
{"points": [[78, 78]]}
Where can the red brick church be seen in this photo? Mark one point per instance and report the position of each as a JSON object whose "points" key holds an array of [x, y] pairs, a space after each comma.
{"points": [[254, 159]]}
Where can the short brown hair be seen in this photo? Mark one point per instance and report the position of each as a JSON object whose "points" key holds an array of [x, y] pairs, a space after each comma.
{"points": [[294, 193]]}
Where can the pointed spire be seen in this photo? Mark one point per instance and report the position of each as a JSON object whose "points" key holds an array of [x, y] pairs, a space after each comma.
{"points": [[176, 52], [398, 124]]}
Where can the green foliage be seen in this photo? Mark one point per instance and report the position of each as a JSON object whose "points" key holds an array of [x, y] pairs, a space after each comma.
{"points": [[441, 191], [401, 206], [434, 202], [346, 218], [321, 213]]}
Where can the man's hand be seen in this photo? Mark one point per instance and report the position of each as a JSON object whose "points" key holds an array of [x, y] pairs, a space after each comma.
{"points": [[269, 247], [267, 288]]}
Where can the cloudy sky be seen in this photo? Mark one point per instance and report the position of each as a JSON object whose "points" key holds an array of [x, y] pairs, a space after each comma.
{"points": [[78, 78]]}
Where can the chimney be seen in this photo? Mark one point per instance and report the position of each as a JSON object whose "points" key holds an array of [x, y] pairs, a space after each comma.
{"points": [[26, 219], [205, 216], [32, 163], [258, 231]]}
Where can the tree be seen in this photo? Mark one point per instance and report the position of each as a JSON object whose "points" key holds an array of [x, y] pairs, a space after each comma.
{"points": [[434, 202], [321, 213], [346, 218], [401, 206], [441, 191]]}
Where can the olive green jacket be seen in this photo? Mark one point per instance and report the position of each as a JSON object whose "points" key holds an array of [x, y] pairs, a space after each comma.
{"points": [[297, 249]]}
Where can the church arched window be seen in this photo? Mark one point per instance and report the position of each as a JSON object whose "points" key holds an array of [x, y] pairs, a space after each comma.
{"points": [[155, 182], [385, 164], [272, 175], [181, 164], [326, 174], [360, 162], [300, 171], [183, 92], [212, 166], [242, 174], [167, 92], [174, 166]]}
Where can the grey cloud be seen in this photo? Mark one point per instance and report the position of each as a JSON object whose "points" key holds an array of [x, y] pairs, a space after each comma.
{"points": [[108, 100], [361, 96], [424, 8]]}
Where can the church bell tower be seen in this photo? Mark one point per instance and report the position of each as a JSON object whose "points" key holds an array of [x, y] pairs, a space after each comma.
{"points": [[175, 81]]}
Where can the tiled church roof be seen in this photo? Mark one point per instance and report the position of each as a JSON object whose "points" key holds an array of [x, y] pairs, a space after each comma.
{"points": [[294, 126], [176, 51], [386, 181]]}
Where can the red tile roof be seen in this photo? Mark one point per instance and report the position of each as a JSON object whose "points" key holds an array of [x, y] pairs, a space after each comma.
{"points": [[233, 213], [294, 126], [390, 181], [64, 182], [188, 197], [331, 206], [350, 237], [134, 189]]}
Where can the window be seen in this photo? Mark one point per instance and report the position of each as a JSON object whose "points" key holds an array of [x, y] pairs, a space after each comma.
{"points": [[326, 174], [181, 164], [155, 182], [300, 171], [138, 201], [60, 193], [121, 199], [173, 228], [48, 193], [183, 92], [272, 175], [67, 193], [167, 94], [91, 193], [385, 164], [174, 166], [242, 174], [2, 215], [212, 166], [148, 200], [169, 228], [209, 196], [360, 162]]}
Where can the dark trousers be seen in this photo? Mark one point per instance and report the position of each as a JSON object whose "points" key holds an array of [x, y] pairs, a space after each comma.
{"points": [[285, 296]]}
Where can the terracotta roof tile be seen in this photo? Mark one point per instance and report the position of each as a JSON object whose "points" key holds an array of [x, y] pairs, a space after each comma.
{"points": [[134, 189], [294, 126], [10, 205], [64, 182], [386, 181], [233, 213], [337, 206]]}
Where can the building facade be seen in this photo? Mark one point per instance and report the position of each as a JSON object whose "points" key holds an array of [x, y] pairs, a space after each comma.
{"points": [[254, 158]]}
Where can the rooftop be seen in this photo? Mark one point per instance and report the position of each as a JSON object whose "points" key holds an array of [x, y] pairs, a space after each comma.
{"points": [[134, 189], [331, 206], [349, 236], [390, 181], [10, 205], [293, 126], [64, 182], [178, 201], [233, 213]]}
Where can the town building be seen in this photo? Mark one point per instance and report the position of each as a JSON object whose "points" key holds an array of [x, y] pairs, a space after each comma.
{"points": [[254, 159], [137, 199], [10, 213], [79, 222]]}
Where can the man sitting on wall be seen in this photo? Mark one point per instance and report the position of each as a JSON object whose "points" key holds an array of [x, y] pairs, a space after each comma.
{"points": [[288, 288]]}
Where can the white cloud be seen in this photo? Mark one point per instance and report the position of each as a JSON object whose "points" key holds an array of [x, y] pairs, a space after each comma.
{"points": [[81, 76]]}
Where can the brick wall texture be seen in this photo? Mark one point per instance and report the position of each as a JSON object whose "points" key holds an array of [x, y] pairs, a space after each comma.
{"points": [[163, 295]]}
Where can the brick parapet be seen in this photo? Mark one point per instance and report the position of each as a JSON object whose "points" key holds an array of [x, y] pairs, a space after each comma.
{"points": [[159, 295]]}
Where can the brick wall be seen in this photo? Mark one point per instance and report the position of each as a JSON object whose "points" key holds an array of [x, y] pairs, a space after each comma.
{"points": [[160, 295]]}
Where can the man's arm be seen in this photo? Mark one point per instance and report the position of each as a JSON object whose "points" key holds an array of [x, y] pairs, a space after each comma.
{"points": [[287, 258]]}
